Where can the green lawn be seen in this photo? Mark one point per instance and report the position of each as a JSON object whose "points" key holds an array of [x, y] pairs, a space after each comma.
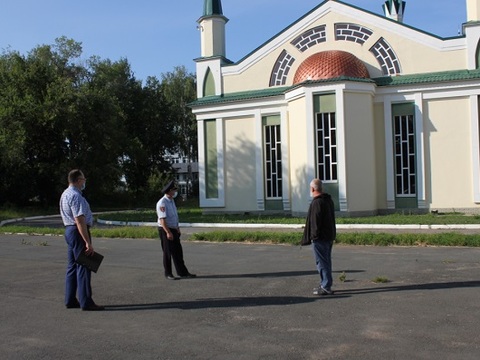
{"points": [[194, 215]]}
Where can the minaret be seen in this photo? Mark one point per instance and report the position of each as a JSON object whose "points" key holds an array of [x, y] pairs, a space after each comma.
{"points": [[473, 10], [471, 30], [394, 9], [212, 29]]}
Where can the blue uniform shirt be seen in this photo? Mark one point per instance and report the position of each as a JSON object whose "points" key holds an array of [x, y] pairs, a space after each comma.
{"points": [[73, 205], [166, 209]]}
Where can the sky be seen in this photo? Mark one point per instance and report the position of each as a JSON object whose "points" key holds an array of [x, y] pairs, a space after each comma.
{"points": [[155, 36]]}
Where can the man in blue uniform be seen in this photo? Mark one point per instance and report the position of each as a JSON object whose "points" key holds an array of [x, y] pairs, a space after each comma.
{"points": [[77, 218], [169, 231]]}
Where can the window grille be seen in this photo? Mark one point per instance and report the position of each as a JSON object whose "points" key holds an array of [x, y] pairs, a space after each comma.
{"points": [[273, 162], [326, 143], [405, 170]]}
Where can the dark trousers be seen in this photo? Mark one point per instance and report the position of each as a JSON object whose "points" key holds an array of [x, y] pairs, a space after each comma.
{"points": [[172, 250], [77, 279]]}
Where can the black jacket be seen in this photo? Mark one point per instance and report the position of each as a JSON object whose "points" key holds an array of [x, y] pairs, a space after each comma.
{"points": [[320, 224]]}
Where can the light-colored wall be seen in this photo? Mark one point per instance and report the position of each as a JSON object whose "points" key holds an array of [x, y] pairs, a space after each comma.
{"points": [[417, 52], [240, 187], [473, 10], [300, 168], [449, 183], [359, 148], [380, 161]]}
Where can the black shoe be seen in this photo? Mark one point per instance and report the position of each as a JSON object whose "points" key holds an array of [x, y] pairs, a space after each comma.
{"points": [[322, 291], [170, 277], [188, 276], [74, 305], [93, 307]]}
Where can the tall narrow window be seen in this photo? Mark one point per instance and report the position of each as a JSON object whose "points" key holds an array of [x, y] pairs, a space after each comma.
{"points": [[405, 169], [273, 162], [326, 143]]}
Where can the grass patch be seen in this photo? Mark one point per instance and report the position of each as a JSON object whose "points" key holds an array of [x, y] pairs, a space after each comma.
{"points": [[380, 280], [264, 237], [375, 239], [196, 216], [38, 243], [126, 232], [269, 237], [14, 213]]}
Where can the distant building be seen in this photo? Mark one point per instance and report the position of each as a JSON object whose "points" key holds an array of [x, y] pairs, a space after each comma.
{"points": [[186, 173], [387, 115]]}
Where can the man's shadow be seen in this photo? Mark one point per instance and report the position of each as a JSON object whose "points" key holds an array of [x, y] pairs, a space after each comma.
{"points": [[421, 287], [234, 302], [280, 274], [237, 302]]}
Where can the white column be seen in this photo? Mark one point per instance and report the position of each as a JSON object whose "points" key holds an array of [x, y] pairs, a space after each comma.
{"points": [[475, 147], [420, 155], [389, 165], [285, 160], [201, 160], [259, 161], [220, 163], [310, 170], [341, 153]]}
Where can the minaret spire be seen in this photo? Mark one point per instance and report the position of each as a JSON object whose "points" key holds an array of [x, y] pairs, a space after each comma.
{"points": [[394, 9], [212, 28], [212, 7]]}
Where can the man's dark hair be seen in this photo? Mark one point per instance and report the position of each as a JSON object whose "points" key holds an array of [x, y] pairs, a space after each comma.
{"points": [[74, 175]]}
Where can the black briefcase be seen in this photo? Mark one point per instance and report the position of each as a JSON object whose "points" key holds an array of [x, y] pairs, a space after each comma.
{"points": [[90, 262]]}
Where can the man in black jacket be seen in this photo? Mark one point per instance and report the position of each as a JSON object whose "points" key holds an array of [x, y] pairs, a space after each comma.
{"points": [[320, 230]]}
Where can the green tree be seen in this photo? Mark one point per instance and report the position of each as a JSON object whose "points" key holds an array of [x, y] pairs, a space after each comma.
{"points": [[58, 112], [150, 128], [179, 89], [35, 92]]}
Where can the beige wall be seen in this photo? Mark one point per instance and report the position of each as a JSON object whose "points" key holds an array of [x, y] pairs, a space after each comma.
{"points": [[359, 149], [416, 55], [380, 159], [298, 151], [447, 139], [240, 165]]}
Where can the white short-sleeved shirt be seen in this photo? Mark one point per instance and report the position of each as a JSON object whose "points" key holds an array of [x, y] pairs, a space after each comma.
{"points": [[73, 205], [166, 209]]}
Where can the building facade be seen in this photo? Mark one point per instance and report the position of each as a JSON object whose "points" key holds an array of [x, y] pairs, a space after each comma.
{"points": [[387, 115]]}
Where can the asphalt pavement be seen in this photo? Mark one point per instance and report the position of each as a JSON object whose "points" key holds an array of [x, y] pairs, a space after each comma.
{"points": [[248, 302]]}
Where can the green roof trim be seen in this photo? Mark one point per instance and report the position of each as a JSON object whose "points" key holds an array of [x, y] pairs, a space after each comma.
{"points": [[428, 78], [241, 96], [399, 80], [269, 92]]}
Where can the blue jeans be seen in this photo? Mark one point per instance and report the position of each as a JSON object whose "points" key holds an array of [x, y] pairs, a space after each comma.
{"points": [[322, 250], [77, 279]]}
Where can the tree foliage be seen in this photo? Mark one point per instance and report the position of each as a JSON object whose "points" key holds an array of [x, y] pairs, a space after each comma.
{"points": [[58, 112]]}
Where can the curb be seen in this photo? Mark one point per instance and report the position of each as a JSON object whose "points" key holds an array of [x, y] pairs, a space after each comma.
{"points": [[10, 221], [271, 226]]}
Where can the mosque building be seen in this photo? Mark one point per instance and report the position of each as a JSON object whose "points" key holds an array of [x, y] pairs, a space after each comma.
{"points": [[385, 114]]}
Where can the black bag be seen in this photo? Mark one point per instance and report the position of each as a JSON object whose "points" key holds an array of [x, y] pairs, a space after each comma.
{"points": [[91, 262]]}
